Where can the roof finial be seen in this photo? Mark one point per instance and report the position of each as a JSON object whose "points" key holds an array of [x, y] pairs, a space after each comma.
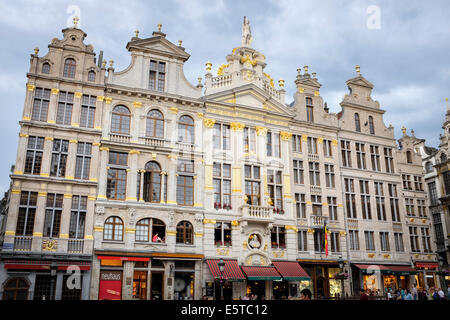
{"points": [[159, 27], [36, 51], [180, 42], [246, 33], [446, 102], [75, 21], [358, 69], [306, 69], [404, 130], [208, 66], [136, 32]]}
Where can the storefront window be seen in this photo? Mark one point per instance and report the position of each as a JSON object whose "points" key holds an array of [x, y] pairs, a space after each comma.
{"points": [[140, 285], [370, 282], [430, 279], [390, 281], [335, 284], [305, 284]]}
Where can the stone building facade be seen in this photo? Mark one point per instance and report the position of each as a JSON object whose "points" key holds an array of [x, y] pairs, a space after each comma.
{"points": [[145, 181]]}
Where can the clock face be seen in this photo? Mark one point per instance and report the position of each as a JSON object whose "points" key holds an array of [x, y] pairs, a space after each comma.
{"points": [[179, 284]]}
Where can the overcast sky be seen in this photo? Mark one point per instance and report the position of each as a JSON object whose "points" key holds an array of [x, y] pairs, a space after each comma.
{"points": [[402, 47]]}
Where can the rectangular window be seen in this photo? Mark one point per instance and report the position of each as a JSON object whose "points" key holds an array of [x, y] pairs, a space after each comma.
{"points": [[393, 199], [354, 239], [316, 205], [40, 104], [59, 158], [300, 205], [297, 143], [350, 203], [406, 178], [384, 241], [117, 175], [379, 199], [314, 174], [273, 144], [327, 149], [309, 113], [298, 172], [157, 75], [389, 160], [252, 184], [418, 184], [319, 241], [414, 238], [370, 244], [222, 185], [83, 160], [426, 242], [334, 242], [409, 205], [421, 208], [250, 140], [312, 145], [447, 182], [398, 238], [33, 159], [365, 199], [221, 136], [185, 166], [222, 234], [87, 111], [361, 156], [433, 193], [346, 154], [375, 158], [302, 241], [332, 208], [27, 212], [278, 237], [78, 217], [275, 185], [53, 210], [185, 182], [65, 106], [329, 176]]}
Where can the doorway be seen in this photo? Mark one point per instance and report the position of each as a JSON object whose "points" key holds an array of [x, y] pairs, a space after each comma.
{"points": [[227, 291], [257, 288], [156, 288], [280, 290], [140, 285]]}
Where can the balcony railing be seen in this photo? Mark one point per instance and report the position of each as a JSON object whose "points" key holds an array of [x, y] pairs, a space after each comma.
{"points": [[313, 157], [274, 93], [221, 81], [116, 137], [352, 223], [257, 213], [315, 190], [154, 142], [75, 246], [185, 146], [22, 243], [317, 221]]}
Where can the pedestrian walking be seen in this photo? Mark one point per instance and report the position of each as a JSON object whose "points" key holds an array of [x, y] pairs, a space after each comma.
{"points": [[408, 295]]}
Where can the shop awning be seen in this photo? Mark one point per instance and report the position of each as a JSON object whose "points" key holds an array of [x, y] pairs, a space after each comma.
{"points": [[231, 270], [399, 270], [428, 265], [121, 258], [372, 267], [261, 273], [45, 265], [290, 270]]}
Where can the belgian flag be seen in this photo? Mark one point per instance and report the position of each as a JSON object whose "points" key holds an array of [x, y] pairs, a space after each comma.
{"points": [[326, 240]]}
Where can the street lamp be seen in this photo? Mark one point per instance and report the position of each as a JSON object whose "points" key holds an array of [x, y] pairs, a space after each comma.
{"points": [[221, 265], [341, 266], [441, 261]]}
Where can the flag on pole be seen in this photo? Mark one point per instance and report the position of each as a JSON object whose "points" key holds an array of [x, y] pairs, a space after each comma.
{"points": [[326, 241]]}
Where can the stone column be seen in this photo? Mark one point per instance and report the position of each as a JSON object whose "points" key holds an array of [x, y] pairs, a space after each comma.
{"points": [[89, 223], [169, 279], [76, 110], [95, 159], [106, 117], [13, 212], [127, 280], [28, 105], [21, 153], [172, 180], [47, 157], [135, 121], [58, 286], [199, 183], [53, 106], [71, 159], [198, 281], [103, 173], [39, 219], [141, 186], [132, 175], [65, 220]]}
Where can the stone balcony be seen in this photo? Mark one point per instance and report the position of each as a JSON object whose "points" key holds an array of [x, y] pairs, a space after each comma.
{"points": [[257, 213], [317, 221], [119, 137], [38, 244], [155, 142]]}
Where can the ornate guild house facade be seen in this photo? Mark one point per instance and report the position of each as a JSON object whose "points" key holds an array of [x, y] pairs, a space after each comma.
{"points": [[150, 187]]}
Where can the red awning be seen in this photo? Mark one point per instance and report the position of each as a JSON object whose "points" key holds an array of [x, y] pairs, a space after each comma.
{"points": [[291, 270], [231, 269], [429, 265], [364, 267], [404, 270], [261, 273], [123, 258], [45, 265]]}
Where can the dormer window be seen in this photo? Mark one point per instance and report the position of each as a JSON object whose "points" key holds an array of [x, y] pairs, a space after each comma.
{"points": [[91, 76], [309, 110], [46, 68], [69, 68], [157, 75], [408, 156], [357, 123], [371, 126]]}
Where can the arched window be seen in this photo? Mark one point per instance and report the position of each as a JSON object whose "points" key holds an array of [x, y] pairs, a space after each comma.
{"points": [[155, 124], [16, 289], [186, 130], [69, 68], [185, 232], [113, 229], [357, 123], [371, 126], [429, 166], [91, 76], [153, 230], [443, 157], [46, 68], [152, 182], [408, 156], [120, 120]]}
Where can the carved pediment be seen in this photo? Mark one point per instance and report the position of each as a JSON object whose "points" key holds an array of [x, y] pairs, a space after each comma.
{"points": [[360, 81], [158, 45]]}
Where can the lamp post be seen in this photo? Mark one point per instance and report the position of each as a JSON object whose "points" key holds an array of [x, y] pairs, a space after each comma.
{"points": [[53, 268], [441, 261], [341, 266], [221, 265]]}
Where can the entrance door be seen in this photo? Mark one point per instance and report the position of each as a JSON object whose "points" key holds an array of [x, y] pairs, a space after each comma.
{"points": [[257, 288], [156, 292], [226, 288], [140, 285], [44, 287], [280, 290], [321, 287]]}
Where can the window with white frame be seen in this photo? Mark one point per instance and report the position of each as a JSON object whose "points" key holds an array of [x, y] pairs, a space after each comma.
{"points": [[312, 145], [221, 136], [300, 205], [275, 185], [329, 176], [398, 238], [388, 160], [316, 201], [222, 234], [409, 205], [414, 239], [393, 199], [354, 239], [249, 140], [65, 106], [332, 208], [384, 241], [302, 241], [346, 154], [375, 158], [314, 174], [278, 237], [60, 153], [426, 239], [222, 185], [370, 244], [361, 155], [298, 171], [327, 148], [379, 199], [297, 143], [421, 208], [350, 202], [365, 199]]}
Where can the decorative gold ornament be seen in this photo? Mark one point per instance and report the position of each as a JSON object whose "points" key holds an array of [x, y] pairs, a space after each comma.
{"points": [[285, 136], [159, 25], [49, 245], [36, 51], [281, 83], [75, 22], [237, 126], [220, 70], [261, 131], [209, 123], [358, 69], [208, 66]]}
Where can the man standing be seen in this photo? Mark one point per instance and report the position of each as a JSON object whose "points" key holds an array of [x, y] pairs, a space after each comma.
{"points": [[305, 294]]}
